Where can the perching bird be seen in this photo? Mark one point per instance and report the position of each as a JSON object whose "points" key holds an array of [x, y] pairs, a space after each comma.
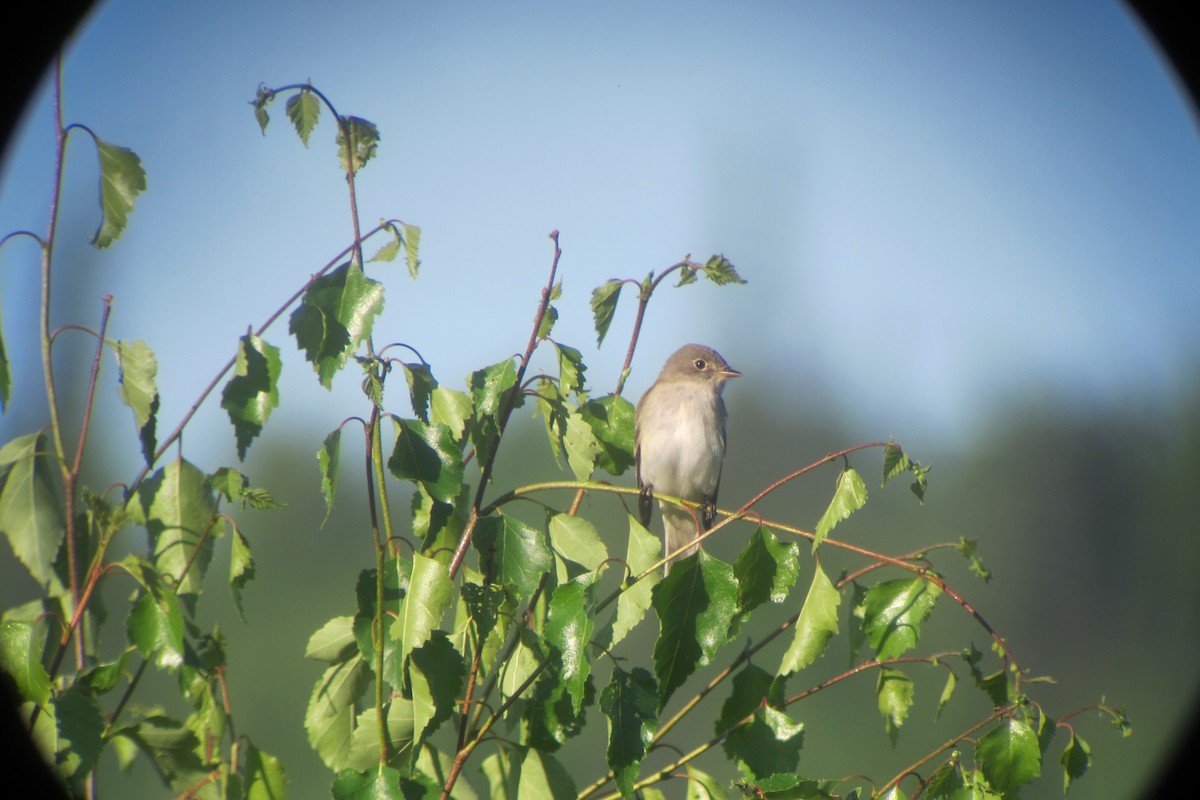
{"points": [[680, 442]]}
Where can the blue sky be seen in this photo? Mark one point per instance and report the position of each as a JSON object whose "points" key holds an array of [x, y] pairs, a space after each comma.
{"points": [[939, 208]]}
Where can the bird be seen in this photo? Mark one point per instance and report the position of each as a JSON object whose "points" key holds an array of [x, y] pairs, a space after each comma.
{"points": [[679, 443]]}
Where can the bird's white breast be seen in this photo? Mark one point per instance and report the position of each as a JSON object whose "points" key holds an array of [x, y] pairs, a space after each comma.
{"points": [[683, 442]]}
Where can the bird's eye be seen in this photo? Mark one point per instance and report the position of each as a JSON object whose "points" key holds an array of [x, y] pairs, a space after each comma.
{"points": [[699, 364]]}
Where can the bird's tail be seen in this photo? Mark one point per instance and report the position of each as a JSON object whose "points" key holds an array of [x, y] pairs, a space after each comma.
{"points": [[679, 528]]}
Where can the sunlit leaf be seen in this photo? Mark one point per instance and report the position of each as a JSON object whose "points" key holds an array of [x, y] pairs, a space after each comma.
{"points": [[264, 775], [518, 553], [633, 603], [329, 718], [604, 305], [1009, 756], [327, 461], [544, 778], [137, 369], [849, 496], [894, 695], [333, 642], [122, 179], [253, 392], [335, 315], [720, 271], [429, 594], [364, 137], [427, 454], [695, 604], [241, 568], [893, 612], [815, 626], [612, 421], [178, 508], [304, 109], [21, 647], [569, 627], [576, 539], [489, 387], [31, 512], [766, 569]]}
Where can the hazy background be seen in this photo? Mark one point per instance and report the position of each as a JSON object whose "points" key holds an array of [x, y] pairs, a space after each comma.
{"points": [[969, 227]]}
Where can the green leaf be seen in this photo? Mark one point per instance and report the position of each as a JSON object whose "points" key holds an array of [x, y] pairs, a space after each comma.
{"points": [[178, 508], [265, 777], [171, 747], [437, 674], [1076, 760], [770, 743], [720, 271], [333, 641], [241, 568], [894, 695], [430, 593], [31, 510], [155, 625], [369, 784], [329, 718], [581, 446], [364, 141], [365, 744], [547, 323], [570, 369], [643, 553], [604, 305], [483, 603], [947, 692], [815, 626], [849, 496], [502, 770], [629, 703], [122, 179], [21, 647], [80, 732], [304, 109], [519, 553], [544, 778], [576, 539], [421, 384], [137, 369], [966, 547], [569, 627], [1009, 756], [262, 98], [489, 386], [522, 663], [612, 421], [412, 248], [895, 463], [327, 461], [451, 408], [766, 569], [429, 455], [550, 717], [752, 686], [335, 315], [702, 786], [893, 612], [253, 392], [695, 604]]}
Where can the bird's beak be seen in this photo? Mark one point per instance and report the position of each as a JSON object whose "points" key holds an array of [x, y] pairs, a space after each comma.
{"points": [[730, 373]]}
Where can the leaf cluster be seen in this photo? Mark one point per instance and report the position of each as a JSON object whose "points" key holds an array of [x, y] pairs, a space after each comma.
{"points": [[479, 637]]}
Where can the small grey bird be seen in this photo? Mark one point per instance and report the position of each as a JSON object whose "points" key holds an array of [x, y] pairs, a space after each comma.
{"points": [[680, 442]]}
